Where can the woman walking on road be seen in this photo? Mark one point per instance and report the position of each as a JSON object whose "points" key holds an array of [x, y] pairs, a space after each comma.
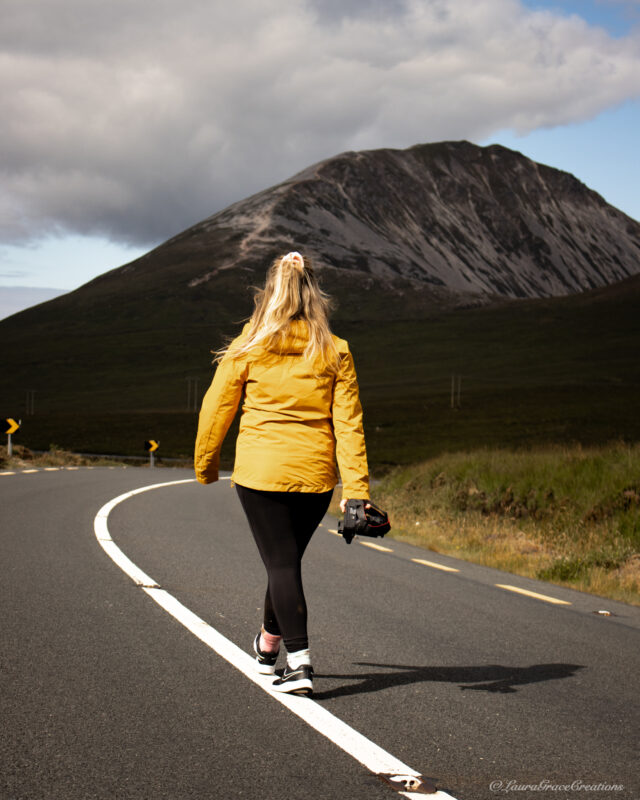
{"points": [[301, 411]]}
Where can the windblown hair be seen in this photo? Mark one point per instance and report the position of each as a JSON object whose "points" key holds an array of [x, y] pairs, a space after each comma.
{"points": [[291, 292]]}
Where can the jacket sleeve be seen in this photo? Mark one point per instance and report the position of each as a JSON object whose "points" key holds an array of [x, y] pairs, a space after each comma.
{"points": [[219, 407], [351, 452]]}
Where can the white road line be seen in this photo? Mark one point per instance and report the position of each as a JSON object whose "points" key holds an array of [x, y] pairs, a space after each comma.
{"points": [[434, 565], [533, 594], [111, 548], [379, 547], [347, 738], [335, 533]]}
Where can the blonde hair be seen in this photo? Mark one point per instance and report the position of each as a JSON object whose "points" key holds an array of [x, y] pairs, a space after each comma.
{"points": [[291, 292]]}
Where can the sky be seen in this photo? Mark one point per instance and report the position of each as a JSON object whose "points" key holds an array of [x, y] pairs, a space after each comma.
{"points": [[125, 123]]}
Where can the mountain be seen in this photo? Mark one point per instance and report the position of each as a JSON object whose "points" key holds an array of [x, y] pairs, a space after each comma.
{"points": [[436, 225], [467, 219], [399, 239], [17, 298]]}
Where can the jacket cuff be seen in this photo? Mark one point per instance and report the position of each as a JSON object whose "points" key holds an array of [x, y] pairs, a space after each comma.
{"points": [[357, 492], [206, 478]]}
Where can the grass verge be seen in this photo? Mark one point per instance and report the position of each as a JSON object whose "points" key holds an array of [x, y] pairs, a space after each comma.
{"points": [[568, 515]]}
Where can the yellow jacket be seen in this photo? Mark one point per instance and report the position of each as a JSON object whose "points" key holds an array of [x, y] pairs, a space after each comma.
{"points": [[297, 418]]}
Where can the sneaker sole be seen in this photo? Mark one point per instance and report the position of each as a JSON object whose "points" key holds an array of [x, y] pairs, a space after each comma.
{"points": [[303, 686]]}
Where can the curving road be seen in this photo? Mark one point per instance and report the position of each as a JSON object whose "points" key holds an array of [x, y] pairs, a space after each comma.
{"points": [[479, 688]]}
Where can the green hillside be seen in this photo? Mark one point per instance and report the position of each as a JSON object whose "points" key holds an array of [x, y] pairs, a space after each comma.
{"points": [[110, 367], [553, 370]]}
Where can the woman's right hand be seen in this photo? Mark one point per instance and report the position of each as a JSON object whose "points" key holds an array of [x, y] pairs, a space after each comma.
{"points": [[345, 500]]}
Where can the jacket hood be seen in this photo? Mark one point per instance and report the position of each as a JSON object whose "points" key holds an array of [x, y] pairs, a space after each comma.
{"points": [[295, 340]]}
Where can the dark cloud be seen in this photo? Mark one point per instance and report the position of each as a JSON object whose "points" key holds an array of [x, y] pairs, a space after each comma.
{"points": [[135, 120]]}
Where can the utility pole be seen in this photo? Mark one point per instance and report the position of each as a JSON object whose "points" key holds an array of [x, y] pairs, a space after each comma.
{"points": [[31, 402], [456, 390], [192, 393]]}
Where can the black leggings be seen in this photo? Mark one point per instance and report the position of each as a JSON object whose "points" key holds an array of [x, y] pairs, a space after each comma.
{"points": [[282, 524]]}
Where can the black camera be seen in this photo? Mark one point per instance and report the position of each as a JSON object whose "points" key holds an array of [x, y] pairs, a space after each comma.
{"points": [[361, 521]]}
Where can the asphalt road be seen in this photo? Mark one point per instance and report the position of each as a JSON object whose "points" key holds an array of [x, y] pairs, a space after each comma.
{"points": [[105, 695]]}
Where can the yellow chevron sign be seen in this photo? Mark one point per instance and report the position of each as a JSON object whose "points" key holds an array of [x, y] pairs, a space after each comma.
{"points": [[151, 445], [11, 426]]}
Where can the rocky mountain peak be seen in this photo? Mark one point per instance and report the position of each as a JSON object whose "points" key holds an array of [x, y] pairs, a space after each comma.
{"points": [[479, 221]]}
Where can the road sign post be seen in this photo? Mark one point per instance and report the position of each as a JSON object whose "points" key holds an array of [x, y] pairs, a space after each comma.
{"points": [[152, 445], [10, 426]]}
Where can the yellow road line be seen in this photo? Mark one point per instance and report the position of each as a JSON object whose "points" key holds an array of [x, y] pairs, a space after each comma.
{"points": [[433, 564], [26, 471], [533, 594], [51, 469], [377, 547], [7, 473]]}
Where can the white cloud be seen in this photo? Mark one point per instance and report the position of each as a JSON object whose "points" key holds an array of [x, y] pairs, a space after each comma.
{"points": [[134, 120]]}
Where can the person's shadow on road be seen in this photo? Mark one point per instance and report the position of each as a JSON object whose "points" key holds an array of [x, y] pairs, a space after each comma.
{"points": [[489, 678]]}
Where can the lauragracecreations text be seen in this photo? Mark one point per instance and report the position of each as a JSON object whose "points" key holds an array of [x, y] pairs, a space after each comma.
{"points": [[549, 786]]}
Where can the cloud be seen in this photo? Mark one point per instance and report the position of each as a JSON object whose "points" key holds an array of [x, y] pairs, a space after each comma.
{"points": [[13, 274], [135, 120]]}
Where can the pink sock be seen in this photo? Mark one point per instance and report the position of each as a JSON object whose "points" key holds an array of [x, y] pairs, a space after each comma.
{"points": [[269, 642]]}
